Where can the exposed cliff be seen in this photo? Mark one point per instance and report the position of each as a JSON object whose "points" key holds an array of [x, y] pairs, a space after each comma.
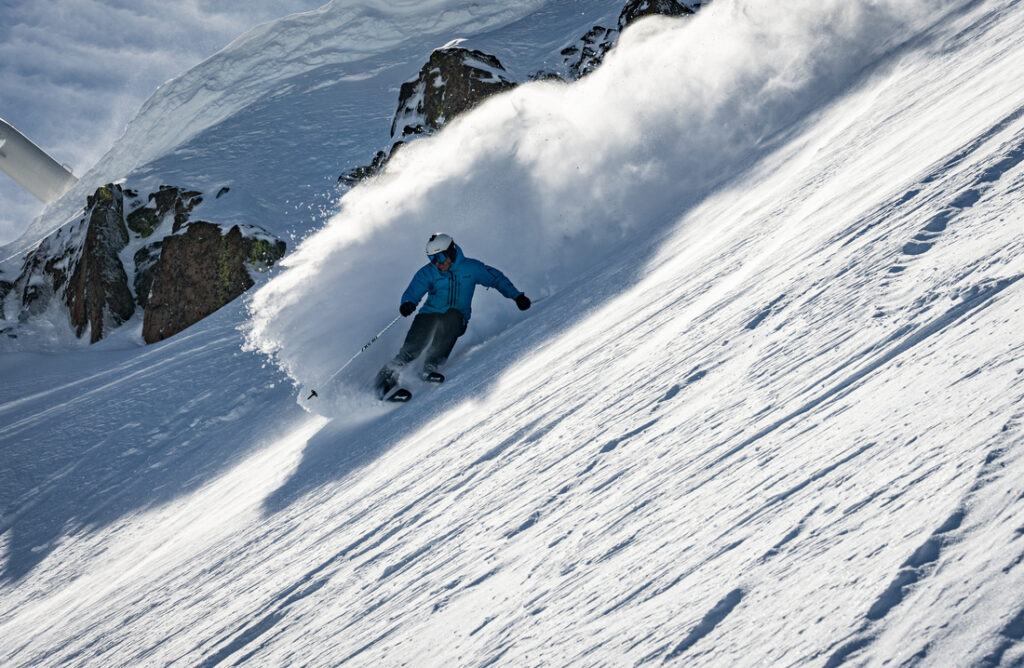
{"points": [[100, 269]]}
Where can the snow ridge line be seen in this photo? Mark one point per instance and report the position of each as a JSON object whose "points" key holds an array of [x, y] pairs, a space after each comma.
{"points": [[275, 611], [979, 298], [142, 362], [883, 212], [923, 562], [712, 619], [967, 197], [918, 566]]}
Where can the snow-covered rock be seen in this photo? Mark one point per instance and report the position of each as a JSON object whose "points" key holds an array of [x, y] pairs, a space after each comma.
{"points": [[587, 53], [97, 293], [96, 270], [79, 267], [5, 288], [144, 220], [636, 9], [453, 80]]}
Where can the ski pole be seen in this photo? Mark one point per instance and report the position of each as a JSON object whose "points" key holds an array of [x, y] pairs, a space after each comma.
{"points": [[351, 359]]}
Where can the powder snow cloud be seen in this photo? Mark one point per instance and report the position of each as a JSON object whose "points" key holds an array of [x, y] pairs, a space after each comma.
{"points": [[547, 179]]}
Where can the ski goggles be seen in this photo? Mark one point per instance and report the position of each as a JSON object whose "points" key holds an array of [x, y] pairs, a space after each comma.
{"points": [[439, 258]]}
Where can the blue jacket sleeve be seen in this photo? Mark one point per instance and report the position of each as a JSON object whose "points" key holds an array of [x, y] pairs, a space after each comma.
{"points": [[492, 278], [418, 286]]}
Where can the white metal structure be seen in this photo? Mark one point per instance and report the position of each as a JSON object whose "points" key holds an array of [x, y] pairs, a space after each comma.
{"points": [[31, 166]]}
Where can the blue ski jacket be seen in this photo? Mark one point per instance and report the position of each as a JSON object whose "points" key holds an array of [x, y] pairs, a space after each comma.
{"points": [[454, 288]]}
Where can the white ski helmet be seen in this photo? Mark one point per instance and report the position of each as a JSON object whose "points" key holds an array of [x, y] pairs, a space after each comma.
{"points": [[441, 243]]}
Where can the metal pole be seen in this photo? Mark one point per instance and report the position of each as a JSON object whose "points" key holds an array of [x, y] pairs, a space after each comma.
{"points": [[351, 359]]}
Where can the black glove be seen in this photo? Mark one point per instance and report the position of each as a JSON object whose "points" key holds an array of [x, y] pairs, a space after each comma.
{"points": [[523, 302], [406, 309]]}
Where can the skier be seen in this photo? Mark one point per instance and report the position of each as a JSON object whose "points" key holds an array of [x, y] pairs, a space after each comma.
{"points": [[449, 280]]}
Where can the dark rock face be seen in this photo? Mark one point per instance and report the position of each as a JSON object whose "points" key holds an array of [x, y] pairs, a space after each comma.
{"points": [[452, 81], [145, 260], [144, 220], [177, 279], [262, 253], [197, 273], [636, 9], [97, 292], [5, 289], [587, 53], [81, 261], [354, 176], [582, 58]]}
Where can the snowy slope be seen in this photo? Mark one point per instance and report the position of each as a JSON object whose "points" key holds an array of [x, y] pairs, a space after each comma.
{"points": [[767, 409]]}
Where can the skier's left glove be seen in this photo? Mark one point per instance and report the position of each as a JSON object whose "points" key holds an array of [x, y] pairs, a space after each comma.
{"points": [[523, 302], [406, 309]]}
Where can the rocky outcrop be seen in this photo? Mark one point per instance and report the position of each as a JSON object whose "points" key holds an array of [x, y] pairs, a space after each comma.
{"points": [[80, 263], [453, 80], [144, 220], [198, 272], [5, 289], [45, 269], [636, 9], [176, 279], [97, 292], [587, 53], [583, 57], [354, 176], [145, 261]]}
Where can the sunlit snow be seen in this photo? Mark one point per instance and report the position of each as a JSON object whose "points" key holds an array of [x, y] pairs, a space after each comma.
{"points": [[766, 408]]}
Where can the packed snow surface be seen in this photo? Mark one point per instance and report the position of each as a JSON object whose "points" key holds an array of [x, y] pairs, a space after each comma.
{"points": [[767, 408]]}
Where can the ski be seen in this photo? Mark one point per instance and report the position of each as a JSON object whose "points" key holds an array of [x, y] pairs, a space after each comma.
{"points": [[401, 395]]}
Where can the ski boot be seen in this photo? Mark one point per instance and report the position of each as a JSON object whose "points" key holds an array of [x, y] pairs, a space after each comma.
{"points": [[386, 381]]}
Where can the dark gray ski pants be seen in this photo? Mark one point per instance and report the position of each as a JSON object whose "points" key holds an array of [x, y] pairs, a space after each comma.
{"points": [[437, 332]]}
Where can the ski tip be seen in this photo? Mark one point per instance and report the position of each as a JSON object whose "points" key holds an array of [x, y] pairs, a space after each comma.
{"points": [[400, 395]]}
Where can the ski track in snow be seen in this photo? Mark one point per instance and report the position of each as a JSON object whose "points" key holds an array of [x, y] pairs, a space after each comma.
{"points": [[784, 430]]}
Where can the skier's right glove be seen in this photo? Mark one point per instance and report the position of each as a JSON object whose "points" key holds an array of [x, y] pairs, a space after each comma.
{"points": [[406, 309], [523, 302]]}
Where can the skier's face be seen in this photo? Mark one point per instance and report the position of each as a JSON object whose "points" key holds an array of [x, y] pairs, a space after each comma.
{"points": [[444, 266]]}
